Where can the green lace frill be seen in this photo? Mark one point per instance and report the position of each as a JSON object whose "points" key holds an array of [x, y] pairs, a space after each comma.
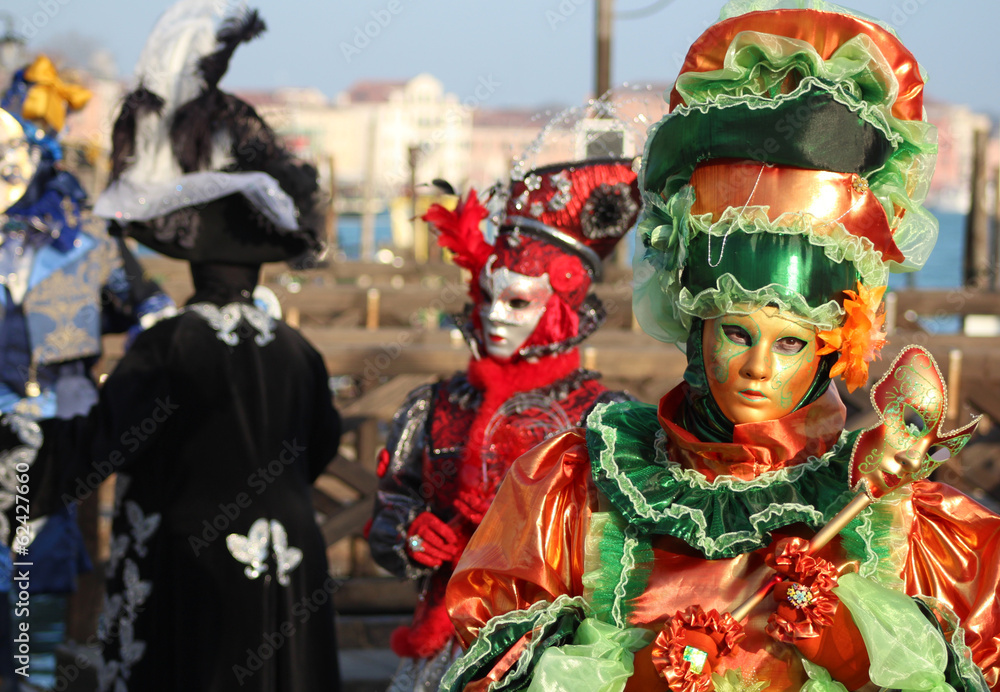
{"points": [[664, 305], [820, 679], [721, 519], [878, 542], [962, 673], [551, 624], [619, 560]]}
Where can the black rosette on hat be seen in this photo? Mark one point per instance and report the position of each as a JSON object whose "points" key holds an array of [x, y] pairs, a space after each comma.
{"points": [[609, 211], [196, 173]]}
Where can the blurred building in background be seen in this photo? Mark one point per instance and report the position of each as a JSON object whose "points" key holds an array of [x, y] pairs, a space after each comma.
{"points": [[368, 134], [379, 137]]}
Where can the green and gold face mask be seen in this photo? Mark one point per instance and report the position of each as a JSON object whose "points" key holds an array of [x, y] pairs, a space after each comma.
{"points": [[759, 365]]}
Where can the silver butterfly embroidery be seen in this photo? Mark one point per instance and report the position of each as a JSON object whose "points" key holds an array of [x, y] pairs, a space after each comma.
{"points": [[136, 590], [119, 546], [28, 430], [130, 649], [142, 526], [109, 614], [288, 557], [226, 320], [260, 321], [251, 549], [107, 673]]}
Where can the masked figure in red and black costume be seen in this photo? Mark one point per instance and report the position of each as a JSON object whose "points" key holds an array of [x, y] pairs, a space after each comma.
{"points": [[452, 442]]}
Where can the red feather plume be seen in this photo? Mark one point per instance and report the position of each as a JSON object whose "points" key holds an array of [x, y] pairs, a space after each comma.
{"points": [[459, 231]]}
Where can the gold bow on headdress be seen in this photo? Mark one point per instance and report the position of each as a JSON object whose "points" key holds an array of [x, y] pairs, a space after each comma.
{"points": [[49, 96]]}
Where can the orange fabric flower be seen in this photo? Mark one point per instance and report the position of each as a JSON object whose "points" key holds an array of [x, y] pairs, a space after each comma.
{"points": [[806, 602], [859, 339], [690, 646]]}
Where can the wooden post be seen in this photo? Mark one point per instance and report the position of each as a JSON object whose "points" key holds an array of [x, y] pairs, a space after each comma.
{"points": [[602, 50], [977, 239], [367, 191], [332, 235], [891, 305], [422, 244], [374, 298], [368, 441], [954, 386], [83, 607], [996, 231], [622, 258]]}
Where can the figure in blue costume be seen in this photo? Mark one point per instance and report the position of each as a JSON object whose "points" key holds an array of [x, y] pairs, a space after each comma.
{"points": [[63, 283]]}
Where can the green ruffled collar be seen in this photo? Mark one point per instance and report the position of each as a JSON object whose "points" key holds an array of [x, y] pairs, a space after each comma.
{"points": [[721, 518]]}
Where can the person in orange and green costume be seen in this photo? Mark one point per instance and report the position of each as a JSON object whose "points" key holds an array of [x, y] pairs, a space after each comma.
{"points": [[783, 187]]}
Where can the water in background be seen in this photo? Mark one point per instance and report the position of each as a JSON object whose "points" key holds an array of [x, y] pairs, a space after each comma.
{"points": [[943, 269], [349, 234]]}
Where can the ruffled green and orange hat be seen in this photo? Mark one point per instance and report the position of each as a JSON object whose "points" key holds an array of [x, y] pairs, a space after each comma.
{"points": [[791, 171]]}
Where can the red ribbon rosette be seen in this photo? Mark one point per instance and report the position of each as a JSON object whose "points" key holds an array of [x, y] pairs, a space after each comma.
{"points": [[806, 602], [689, 647]]}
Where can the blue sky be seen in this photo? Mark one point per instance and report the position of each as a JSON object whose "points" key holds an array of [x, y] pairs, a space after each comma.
{"points": [[532, 52]]}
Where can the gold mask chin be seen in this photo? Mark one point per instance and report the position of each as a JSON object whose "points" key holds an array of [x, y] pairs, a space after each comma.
{"points": [[17, 164], [909, 443]]}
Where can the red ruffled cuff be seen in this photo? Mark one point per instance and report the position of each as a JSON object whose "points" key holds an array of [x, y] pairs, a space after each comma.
{"points": [[689, 647], [806, 602]]}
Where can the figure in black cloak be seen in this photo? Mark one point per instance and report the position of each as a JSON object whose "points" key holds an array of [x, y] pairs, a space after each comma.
{"points": [[217, 420]]}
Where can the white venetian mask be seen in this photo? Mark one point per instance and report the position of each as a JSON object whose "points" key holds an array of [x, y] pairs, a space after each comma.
{"points": [[512, 306]]}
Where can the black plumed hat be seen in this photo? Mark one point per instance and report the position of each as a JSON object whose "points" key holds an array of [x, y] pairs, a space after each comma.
{"points": [[196, 173]]}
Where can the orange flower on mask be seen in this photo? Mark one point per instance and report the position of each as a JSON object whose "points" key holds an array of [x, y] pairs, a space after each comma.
{"points": [[859, 339]]}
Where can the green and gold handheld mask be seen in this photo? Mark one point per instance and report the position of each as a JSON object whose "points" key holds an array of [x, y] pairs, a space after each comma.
{"points": [[909, 442]]}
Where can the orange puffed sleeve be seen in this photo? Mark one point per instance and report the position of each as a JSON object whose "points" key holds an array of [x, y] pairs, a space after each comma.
{"points": [[955, 557], [529, 546]]}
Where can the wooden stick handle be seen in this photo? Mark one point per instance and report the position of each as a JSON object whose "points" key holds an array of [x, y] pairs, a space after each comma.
{"points": [[746, 606], [825, 535], [844, 517]]}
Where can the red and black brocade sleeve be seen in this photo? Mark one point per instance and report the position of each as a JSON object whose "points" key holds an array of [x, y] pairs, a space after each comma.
{"points": [[399, 499], [954, 557]]}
